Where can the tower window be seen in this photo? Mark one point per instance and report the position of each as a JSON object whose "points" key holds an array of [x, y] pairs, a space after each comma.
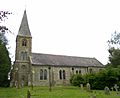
{"points": [[24, 42], [23, 55]]}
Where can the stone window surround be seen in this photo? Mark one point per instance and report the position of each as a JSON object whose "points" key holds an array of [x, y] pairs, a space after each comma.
{"points": [[24, 55], [43, 74], [62, 74], [24, 42]]}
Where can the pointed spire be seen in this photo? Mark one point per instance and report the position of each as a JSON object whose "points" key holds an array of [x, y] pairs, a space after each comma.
{"points": [[24, 27]]}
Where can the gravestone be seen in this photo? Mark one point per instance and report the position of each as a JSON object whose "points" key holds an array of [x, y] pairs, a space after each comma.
{"points": [[22, 83], [29, 83], [88, 87], [11, 84], [29, 80], [112, 88], [16, 84], [81, 86], [116, 88], [107, 90]]}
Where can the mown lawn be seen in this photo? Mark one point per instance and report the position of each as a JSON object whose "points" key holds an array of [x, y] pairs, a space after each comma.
{"points": [[57, 92]]}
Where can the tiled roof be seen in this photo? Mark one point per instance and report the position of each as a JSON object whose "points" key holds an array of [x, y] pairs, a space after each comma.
{"points": [[24, 27], [61, 60]]}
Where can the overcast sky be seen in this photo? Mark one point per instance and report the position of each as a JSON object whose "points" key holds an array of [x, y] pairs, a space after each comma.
{"points": [[66, 27]]}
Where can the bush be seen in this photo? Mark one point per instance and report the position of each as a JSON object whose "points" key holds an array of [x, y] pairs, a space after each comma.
{"points": [[107, 77], [76, 80]]}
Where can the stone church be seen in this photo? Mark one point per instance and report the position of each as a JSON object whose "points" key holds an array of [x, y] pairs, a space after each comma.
{"points": [[40, 69]]}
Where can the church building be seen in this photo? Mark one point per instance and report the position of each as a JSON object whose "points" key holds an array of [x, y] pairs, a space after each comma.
{"points": [[39, 69]]}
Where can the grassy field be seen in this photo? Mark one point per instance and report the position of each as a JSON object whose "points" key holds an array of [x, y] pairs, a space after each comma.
{"points": [[57, 92]]}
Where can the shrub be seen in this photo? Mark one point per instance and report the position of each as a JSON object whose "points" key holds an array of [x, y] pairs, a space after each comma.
{"points": [[76, 80], [107, 77]]}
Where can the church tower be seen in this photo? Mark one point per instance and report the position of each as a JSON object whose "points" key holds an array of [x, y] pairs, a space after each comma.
{"points": [[23, 52]]}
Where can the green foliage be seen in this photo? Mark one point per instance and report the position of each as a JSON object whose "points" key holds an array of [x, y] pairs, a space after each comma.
{"points": [[5, 62], [107, 77], [3, 39], [5, 65], [114, 57], [115, 40], [3, 16], [76, 80], [114, 50]]}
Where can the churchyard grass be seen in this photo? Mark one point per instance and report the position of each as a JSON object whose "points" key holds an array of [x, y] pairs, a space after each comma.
{"points": [[57, 92]]}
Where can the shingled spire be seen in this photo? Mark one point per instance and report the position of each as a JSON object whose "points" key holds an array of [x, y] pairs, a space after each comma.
{"points": [[24, 27]]}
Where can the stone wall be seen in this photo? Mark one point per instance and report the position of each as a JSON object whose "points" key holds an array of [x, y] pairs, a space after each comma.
{"points": [[54, 74], [36, 76]]}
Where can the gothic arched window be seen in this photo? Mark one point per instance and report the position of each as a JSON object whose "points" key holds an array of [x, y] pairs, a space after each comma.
{"points": [[79, 71], [41, 74], [24, 42], [76, 71], [64, 76], [91, 70], [60, 74], [45, 74], [23, 55]]}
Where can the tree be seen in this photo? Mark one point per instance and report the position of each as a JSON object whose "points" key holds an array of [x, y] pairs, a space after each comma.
{"points": [[3, 16], [5, 62], [114, 57], [114, 50], [114, 41], [5, 65]]}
